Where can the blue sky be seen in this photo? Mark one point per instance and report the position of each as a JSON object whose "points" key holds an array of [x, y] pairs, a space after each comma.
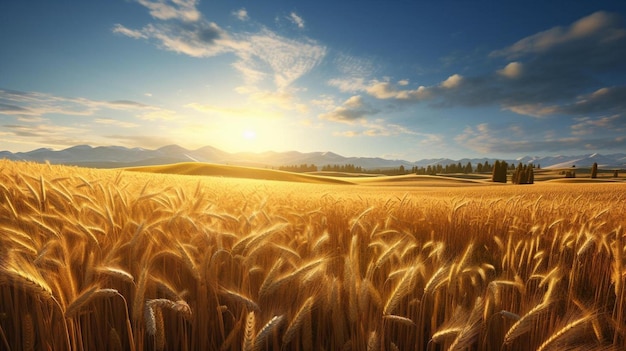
{"points": [[396, 79]]}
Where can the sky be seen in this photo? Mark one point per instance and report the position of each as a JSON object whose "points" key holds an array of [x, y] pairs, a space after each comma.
{"points": [[395, 79]]}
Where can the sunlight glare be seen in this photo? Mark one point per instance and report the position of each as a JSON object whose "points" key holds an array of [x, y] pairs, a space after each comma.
{"points": [[249, 134]]}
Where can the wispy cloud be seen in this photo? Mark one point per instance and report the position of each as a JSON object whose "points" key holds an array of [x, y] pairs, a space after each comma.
{"points": [[197, 39], [288, 59], [261, 55], [381, 128], [587, 125], [131, 33], [35, 104], [184, 10], [295, 19], [241, 14], [47, 134]]}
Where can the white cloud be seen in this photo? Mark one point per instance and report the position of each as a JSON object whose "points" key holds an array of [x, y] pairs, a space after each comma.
{"points": [[241, 14], [385, 90], [202, 39], [534, 110], [512, 70], [260, 55], [403, 82], [452, 82], [184, 10], [348, 85], [297, 20], [135, 34], [352, 110], [288, 59]]}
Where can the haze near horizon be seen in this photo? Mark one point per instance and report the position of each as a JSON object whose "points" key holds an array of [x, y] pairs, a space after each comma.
{"points": [[393, 79]]}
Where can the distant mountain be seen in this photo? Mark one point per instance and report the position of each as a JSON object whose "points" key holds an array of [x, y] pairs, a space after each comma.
{"points": [[119, 156]]}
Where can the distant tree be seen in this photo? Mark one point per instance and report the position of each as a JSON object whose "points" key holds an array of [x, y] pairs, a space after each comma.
{"points": [[401, 170], [615, 174], [594, 170], [495, 172], [499, 172], [523, 174], [468, 168], [487, 167]]}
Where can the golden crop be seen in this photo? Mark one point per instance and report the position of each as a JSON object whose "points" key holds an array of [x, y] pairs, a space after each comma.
{"points": [[109, 259]]}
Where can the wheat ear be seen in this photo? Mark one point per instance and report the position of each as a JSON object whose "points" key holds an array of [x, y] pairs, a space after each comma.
{"points": [[403, 288], [523, 324], [85, 297], [261, 338], [248, 335], [569, 327]]}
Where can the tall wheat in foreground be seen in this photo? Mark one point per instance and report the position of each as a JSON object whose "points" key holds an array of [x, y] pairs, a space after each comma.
{"points": [[109, 259]]}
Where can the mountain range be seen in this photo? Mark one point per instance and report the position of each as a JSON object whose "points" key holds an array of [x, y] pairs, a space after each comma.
{"points": [[119, 156]]}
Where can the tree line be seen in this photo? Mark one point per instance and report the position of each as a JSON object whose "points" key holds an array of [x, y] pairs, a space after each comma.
{"points": [[481, 167]]}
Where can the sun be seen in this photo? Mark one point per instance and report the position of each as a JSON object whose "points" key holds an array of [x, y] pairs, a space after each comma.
{"points": [[249, 134]]}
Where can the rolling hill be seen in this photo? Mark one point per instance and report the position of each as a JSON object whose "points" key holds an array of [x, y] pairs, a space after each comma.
{"points": [[119, 157]]}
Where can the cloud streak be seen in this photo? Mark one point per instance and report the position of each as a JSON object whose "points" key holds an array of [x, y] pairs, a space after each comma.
{"points": [[35, 104]]}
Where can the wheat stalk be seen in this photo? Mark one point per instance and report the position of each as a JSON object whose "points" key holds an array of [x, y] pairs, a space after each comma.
{"points": [[28, 333], [115, 343], [87, 296], [298, 319]]}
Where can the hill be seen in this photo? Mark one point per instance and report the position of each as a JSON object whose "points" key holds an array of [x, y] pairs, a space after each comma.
{"points": [[215, 170]]}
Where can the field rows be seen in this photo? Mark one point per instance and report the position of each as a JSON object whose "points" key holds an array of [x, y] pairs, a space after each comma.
{"points": [[94, 259]]}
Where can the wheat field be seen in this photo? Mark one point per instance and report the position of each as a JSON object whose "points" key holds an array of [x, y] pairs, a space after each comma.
{"points": [[118, 260]]}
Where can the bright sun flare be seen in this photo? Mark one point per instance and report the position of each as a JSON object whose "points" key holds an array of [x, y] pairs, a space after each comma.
{"points": [[249, 134]]}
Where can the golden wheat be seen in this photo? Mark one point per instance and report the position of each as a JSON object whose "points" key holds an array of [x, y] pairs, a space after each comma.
{"points": [[197, 262]]}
